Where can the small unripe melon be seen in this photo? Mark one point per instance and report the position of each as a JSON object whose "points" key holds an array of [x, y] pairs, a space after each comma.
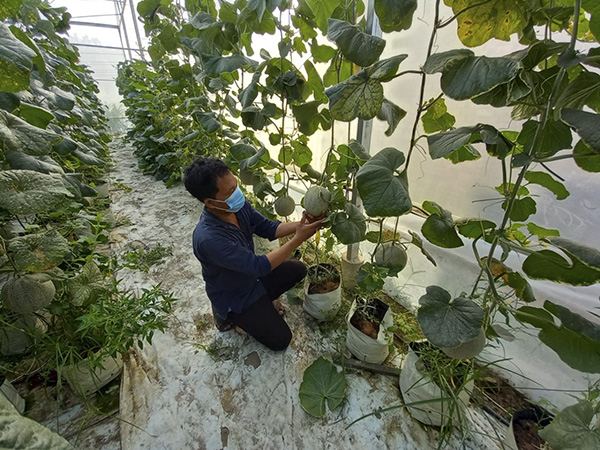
{"points": [[247, 177], [469, 349], [284, 206], [316, 200], [26, 295], [391, 256]]}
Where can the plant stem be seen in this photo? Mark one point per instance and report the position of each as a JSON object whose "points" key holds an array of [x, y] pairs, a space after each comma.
{"points": [[423, 80], [455, 16]]}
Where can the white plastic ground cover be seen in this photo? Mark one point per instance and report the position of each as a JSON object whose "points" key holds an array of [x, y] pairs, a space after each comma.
{"points": [[416, 387], [366, 348], [8, 391], [196, 388]]}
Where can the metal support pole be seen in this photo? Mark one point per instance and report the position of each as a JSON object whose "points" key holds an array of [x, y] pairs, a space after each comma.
{"points": [[120, 9], [365, 127], [135, 27]]}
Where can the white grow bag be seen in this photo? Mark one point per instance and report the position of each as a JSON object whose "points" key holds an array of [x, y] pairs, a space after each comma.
{"points": [[84, 380], [323, 306], [366, 348], [417, 387]]}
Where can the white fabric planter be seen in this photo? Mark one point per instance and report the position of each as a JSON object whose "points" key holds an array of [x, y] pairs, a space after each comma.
{"points": [[9, 391], [417, 387], [323, 306], [366, 348], [84, 379]]}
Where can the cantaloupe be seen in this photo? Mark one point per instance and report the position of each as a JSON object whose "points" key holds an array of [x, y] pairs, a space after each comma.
{"points": [[316, 200], [469, 349], [284, 206], [27, 294], [392, 256]]}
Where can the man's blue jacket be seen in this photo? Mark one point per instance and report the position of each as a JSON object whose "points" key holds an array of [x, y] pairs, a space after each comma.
{"points": [[230, 268]]}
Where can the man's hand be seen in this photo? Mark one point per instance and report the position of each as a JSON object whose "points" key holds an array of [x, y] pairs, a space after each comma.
{"points": [[307, 228], [310, 218]]}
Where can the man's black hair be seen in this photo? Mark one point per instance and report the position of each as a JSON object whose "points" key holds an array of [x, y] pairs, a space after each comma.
{"points": [[201, 177]]}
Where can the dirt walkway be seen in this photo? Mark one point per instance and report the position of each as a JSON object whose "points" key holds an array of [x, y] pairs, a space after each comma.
{"points": [[195, 388]]}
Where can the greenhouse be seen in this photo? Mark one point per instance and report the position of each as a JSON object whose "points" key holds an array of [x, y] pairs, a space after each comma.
{"points": [[307, 224]]}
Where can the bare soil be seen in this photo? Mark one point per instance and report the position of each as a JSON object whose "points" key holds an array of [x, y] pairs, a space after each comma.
{"points": [[363, 324], [526, 435], [324, 287]]}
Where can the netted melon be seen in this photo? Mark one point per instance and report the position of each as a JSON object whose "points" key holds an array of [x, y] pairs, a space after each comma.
{"points": [[316, 200], [284, 206], [469, 349], [247, 177], [27, 294], [392, 256]]}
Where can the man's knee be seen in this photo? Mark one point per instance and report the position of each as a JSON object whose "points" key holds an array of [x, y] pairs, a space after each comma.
{"points": [[299, 270], [281, 342]]}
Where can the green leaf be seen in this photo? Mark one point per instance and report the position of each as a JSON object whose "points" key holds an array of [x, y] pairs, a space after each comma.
{"points": [[573, 428], [383, 192], [15, 62], [583, 90], [9, 8], [250, 92], [36, 116], [9, 101], [593, 8], [546, 180], [215, 65], [475, 228], [442, 144], [495, 19], [538, 317], [169, 38], [314, 81], [19, 136], [556, 136], [448, 322], [522, 208], [360, 48], [573, 321], [521, 286], [578, 351], [321, 53], [541, 232], [87, 285], [395, 15], [321, 385], [259, 6], [322, 10], [38, 252], [309, 118], [437, 118], [465, 153], [392, 114], [208, 121], [439, 227], [587, 125], [465, 76], [38, 60], [29, 192], [362, 94], [586, 158], [582, 268], [349, 226], [43, 164]]}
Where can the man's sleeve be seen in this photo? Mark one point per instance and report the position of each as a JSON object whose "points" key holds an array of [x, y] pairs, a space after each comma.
{"points": [[233, 256], [264, 227]]}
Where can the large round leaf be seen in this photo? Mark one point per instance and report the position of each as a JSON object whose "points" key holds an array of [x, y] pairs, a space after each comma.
{"points": [[361, 48], [322, 384], [585, 158], [29, 192], [20, 136], [349, 226], [582, 268], [446, 322], [395, 15], [38, 252], [15, 62], [440, 228], [465, 76], [383, 192], [36, 116], [574, 428], [478, 22], [586, 124], [87, 285]]}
